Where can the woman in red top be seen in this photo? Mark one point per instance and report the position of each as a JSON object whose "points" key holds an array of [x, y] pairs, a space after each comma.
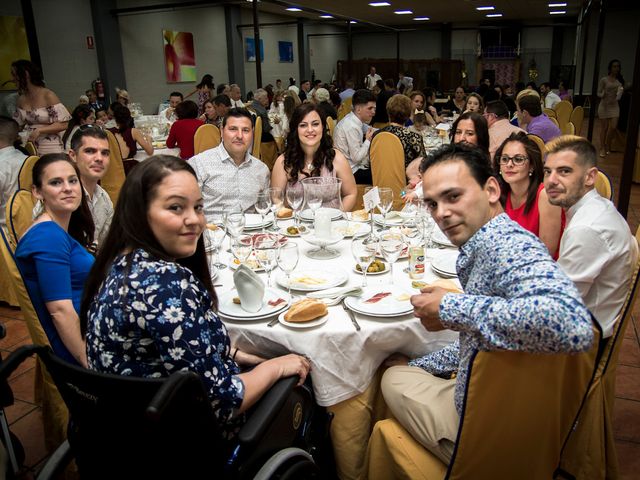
{"points": [[520, 174], [184, 129]]}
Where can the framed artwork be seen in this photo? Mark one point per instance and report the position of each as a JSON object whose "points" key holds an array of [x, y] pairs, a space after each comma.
{"points": [[285, 50], [179, 56], [13, 47], [250, 49]]}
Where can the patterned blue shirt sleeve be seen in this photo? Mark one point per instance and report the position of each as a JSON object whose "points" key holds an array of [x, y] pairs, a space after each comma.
{"points": [[441, 363]]}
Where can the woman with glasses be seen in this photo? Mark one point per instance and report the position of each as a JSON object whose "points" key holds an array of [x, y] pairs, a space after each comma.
{"points": [[518, 166]]}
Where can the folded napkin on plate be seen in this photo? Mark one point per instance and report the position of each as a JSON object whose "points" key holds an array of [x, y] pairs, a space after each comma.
{"points": [[392, 214], [250, 288], [332, 292]]}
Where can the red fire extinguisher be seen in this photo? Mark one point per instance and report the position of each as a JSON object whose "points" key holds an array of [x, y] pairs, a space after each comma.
{"points": [[98, 86]]}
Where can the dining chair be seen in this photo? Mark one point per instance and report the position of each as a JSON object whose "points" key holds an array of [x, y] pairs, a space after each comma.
{"points": [[257, 137], [554, 121], [387, 165], [603, 185], [549, 112], [577, 117], [569, 129], [518, 410], [25, 176], [345, 108], [591, 450], [54, 412], [563, 111], [19, 214], [331, 125], [207, 136], [30, 147], [115, 176], [539, 142]]}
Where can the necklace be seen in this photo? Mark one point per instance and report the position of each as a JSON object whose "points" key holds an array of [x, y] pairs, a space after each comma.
{"points": [[309, 166]]}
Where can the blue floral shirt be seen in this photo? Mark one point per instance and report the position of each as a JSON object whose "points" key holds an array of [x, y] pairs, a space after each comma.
{"points": [[516, 298], [156, 319]]}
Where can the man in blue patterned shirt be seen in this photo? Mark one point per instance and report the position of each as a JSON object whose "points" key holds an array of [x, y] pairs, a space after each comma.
{"points": [[515, 298]]}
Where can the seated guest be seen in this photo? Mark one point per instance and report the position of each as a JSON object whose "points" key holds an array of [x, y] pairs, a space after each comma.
{"points": [[94, 102], [474, 103], [458, 103], [496, 114], [531, 118], [102, 118], [259, 106], [310, 153], [156, 241], [81, 115], [11, 161], [169, 113], [549, 98], [418, 102], [352, 135], [323, 99], [597, 250], [236, 96], [215, 110], [277, 115], [518, 168], [511, 301], [405, 83], [563, 93], [386, 92], [122, 97], [399, 109], [52, 254], [228, 174], [128, 137], [429, 106], [348, 90], [184, 128]]}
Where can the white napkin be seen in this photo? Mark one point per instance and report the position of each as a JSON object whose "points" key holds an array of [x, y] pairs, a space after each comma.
{"points": [[250, 288], [332, 292]]}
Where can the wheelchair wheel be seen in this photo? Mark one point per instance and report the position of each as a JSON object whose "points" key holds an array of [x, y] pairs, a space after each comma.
{"points": [[298, 469]]}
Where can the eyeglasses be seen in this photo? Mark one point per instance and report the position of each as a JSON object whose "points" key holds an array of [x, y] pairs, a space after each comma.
{"points": [[87, 126], [516, 159]]}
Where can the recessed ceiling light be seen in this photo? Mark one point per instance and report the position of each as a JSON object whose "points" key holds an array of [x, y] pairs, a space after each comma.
{"points": [[326, 16], [421, 19], [293, 9], [380, 4], [494, 15], [557, 5], [353, 21], [557, 12], [403, 12], [485, 8]]}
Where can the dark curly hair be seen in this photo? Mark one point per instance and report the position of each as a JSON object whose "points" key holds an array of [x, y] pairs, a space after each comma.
{"points": [[22, 67], [294, 155]]}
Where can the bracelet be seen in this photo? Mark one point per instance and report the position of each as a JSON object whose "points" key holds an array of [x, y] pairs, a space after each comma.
{"points": [[233, 357]]}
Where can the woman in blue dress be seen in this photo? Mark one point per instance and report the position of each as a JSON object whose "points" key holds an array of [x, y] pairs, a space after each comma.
{"points": [[150, 308]]}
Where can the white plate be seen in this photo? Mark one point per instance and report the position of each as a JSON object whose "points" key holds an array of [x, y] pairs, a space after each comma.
{"points": [[307, 215], [394, 220], [316, 279], [226, 307], [389, 306], [350, 229], [213, 271], [251, 262], [253, 221], [440, 238], [445, 262], [387, 269], [302, 325], [351, 218]]}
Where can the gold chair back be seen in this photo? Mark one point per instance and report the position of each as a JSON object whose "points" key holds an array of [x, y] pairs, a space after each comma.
{"points": [[539, 142], [549, 112], [554, 121], [569, 129], [577, 117], [31, 148], [257, 137], [344, 108], [331, 125], [25, 177], [387, 165], [19, 214], [207, 136], [563, 112], [114, 176], [603, 185]]}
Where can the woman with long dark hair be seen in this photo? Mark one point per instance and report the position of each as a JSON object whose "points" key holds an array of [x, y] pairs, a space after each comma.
{"points": [[610, 90], [310, 153], [81, 115], [127, 136], [205, 90], [471, 128]]}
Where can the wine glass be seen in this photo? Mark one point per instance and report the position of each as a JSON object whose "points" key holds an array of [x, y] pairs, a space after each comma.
{"points": [[277, 200], [265, 247], [371, 233], [314, 200], [263, 205], [241, 247], [392, 244], [235, 223], [216, 233], [364, 251], [288, 255], [386, 202], [295, 197]]}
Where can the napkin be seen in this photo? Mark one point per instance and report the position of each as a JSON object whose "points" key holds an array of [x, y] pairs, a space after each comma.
{"points": [[250, 288], [393, 214], [333, 292]]}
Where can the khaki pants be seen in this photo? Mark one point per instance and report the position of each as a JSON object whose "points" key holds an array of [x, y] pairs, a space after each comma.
{"points": [[424, 406]]}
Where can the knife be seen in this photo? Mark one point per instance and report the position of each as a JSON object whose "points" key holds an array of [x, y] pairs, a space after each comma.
{"points": [[351, 316], [272, 322]]}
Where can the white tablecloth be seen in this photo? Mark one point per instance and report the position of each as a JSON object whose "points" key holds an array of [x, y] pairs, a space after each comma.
{"points": [[142, 155], [343, 360]]}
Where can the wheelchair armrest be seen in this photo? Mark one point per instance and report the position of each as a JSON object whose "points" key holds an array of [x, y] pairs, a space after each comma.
{"points": [[56, 462], [168, 390], [17, 357], [266, 408]]}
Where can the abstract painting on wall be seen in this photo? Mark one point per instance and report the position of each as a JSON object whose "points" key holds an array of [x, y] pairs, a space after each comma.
{"points": [[13, 47], [179, 56], [286, 51], [250, 49]]}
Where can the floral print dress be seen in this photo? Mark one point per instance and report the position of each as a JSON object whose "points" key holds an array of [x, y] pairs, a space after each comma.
{"points": [[151, 318], [42, 117]]}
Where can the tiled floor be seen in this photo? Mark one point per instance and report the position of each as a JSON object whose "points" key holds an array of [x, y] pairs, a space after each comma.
{"points": [[26, 422]]}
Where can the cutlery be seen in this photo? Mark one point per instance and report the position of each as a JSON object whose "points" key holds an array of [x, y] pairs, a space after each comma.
{"points": [[351, 316], [334, 301], [272, 322]]}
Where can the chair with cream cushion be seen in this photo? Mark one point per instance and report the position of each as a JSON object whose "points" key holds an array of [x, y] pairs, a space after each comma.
{"points": [[114, 176], [25, 176], [207, 136], [387, 165], [604, 186]]}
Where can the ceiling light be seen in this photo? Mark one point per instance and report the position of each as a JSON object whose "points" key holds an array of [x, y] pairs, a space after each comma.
{"points": [[557, 4], [421, 19], [353, 21], [494, 15], [557, 12], [379, 4], [293, 9], [485, 8], [326, 16], [403, 12]]}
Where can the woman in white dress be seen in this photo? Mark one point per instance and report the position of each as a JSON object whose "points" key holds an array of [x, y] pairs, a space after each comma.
{"points": [[610, 90]]}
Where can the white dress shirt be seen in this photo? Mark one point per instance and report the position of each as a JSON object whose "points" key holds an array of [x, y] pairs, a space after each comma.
{"points": [[370, 81], [551, 100], [101, 209], [237, 103], [348, 137], [598, 252], [225, 184], [11, 161]]}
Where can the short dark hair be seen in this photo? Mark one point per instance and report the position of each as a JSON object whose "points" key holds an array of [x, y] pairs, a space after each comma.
{"points": [[531, 104], [476, 160], [362, 97], [187, 109], [583, 148], [303, 82], [176, 94], [8, 130], [545, 85], [222, 100], [237, 112], [480, 126], [498, 108], [87, 131]]}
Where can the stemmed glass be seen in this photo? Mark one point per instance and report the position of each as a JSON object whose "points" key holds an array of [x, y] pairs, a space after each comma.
{"points": [[277, 199], [262, 206], [265, 247], [392, 244], [371, 233], [216, 234], [364, 251], [288, 255], [314, 200], [295, 197], [241, 247], [235, 223], [386, 202]]}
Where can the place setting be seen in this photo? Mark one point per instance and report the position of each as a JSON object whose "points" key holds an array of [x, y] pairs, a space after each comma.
{"points": [[444, 264]]}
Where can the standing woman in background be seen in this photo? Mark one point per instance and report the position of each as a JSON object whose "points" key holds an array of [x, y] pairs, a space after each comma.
{"points": [[610, 90], [38, 108], [205, 90]]}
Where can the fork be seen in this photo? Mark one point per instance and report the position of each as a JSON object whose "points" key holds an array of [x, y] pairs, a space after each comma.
{"points": [[334, 301], [351, 316]]}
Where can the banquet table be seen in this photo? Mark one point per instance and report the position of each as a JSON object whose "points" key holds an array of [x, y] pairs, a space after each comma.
{"points": [[344, 360]]}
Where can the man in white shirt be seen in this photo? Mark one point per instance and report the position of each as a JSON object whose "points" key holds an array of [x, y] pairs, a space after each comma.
{"points": [[371, 79], [597, 250], [228, 174], [90, 151], [11, 161], [303, 93], [496, 113], [550, 99], [235, 95], [169, 113], [405, 83], [352, 135]]}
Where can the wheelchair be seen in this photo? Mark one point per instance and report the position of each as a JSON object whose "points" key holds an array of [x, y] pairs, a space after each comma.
{"points": [[165, 428]]}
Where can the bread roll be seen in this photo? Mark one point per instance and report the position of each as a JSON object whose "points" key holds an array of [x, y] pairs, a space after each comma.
{"points": [[305, 310], [360, 215], [285, 212], [448, 285]]}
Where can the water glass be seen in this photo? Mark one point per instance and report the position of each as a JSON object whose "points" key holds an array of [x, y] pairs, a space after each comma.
{"points": [[263, 205], [295, 197], [386, 202], [266, 253], [241, 247], [216, 234], [364, 251], [392, 244], [235, 224], [277, 200], [288, 255]]}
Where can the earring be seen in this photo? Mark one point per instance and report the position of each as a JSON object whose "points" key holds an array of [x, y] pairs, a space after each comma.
{"points": [[530, 173], [500, 172]]}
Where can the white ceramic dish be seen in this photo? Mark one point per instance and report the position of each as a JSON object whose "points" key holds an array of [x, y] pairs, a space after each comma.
{"points": [[394, 305], [303, 325], [233, 311], [312, 280]]}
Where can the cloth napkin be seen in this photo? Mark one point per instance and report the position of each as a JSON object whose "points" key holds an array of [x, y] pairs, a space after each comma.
{"points": [[332, 292], [250, 288]]}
